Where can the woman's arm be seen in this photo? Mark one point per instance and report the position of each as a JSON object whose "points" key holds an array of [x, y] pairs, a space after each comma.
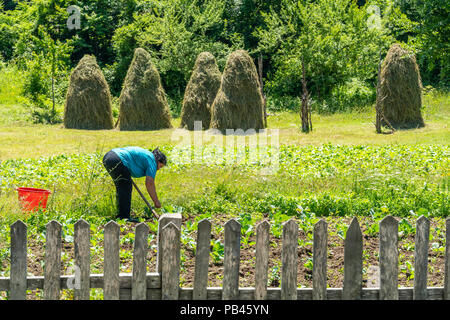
{"points": [[151, 189]]}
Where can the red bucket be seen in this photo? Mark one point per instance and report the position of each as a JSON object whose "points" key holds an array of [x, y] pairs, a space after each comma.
{"points": [[31, 199]]}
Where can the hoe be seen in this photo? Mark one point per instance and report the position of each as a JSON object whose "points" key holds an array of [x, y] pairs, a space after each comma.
{"points": [[145, 200]]}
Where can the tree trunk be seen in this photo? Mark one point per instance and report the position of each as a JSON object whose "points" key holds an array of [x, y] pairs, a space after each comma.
{"points": [[261, 86], [378, 102], [305, 109]]}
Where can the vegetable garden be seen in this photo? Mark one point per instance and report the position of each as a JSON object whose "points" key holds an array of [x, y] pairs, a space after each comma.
{"points": [[333, 182]]}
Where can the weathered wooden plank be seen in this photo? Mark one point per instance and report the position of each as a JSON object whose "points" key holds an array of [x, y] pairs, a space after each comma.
{"points": [[139, 285], [389, 259], [170, 259], [164, 220], [320, 243], [52, 267], [262, 260], [421, 258], [202, 259], [215, 293], [152, 294], [447, 261], [111, 266], [232, 254], [289, 261], [18, 285], [96, 281], [82, 244], [353, 250], [153, 280]]}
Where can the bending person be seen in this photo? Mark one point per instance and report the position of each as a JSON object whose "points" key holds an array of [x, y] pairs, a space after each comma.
{"points": [[136, 162]]}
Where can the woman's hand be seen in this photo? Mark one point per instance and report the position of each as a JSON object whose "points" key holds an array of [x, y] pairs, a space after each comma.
{"points": [[157, 204]]}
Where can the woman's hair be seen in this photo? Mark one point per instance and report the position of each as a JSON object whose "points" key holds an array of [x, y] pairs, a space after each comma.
{"points": [[159, 156]]}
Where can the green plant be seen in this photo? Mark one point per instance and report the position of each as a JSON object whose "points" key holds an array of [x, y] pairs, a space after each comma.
{"points": [[309, 264], [274, 278], [373, 229], [408, 269], [217, 251], [405, 228]]}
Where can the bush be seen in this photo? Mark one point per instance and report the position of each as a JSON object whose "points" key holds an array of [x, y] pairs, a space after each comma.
{"points": [[11, 84], [46, 115], [36, 78], [352, 94], [282, 103]]}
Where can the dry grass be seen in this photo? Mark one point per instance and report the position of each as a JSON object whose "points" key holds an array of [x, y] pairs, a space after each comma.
{"points": [[238, 104], [143, 103], [200, 92], [400, 89], [88, 100]]}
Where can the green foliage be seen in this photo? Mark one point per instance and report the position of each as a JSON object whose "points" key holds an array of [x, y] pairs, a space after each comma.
{"points": [[174, 33], [340, 49], [351, 95], [331, 38], [429, 38], [366, 181], [11, 84], [279, 103]]}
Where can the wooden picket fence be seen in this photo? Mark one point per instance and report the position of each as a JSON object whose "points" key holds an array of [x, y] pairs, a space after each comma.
{"points": [[164, 282]]}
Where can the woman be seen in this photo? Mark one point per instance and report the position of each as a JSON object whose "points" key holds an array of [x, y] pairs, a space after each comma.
{"points": [[136, 162]]}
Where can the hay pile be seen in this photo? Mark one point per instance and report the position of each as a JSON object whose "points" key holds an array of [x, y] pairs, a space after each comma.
{"points": [[200, 92], [400, 89], [239, 103], [142, 102], [88, 100]]}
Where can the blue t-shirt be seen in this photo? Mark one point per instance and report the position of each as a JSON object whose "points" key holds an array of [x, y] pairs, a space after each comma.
{"points": [[139, 161]]}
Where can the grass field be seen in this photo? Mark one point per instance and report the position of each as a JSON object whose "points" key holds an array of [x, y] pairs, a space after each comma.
{"points": [[340, 170], [23, 140]]}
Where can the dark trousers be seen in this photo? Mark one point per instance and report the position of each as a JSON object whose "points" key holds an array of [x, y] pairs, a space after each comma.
{"points": [[122, 180]]}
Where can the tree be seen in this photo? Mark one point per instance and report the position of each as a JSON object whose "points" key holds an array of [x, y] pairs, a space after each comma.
{"points": [[331, 39], [174, 33], [430, 37], [8, 4]]}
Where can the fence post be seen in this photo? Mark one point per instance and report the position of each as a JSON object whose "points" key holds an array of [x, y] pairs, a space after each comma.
{"points": [[18, 284], [111, 265], [353, 249], [389, 259], [447, 261], [262, 260], [164, 220], [82, 246], [421, 258], [170, 261], [139, 279], [52, 267], [202, 260], [289, 261], [320, 261], [232, 252]]}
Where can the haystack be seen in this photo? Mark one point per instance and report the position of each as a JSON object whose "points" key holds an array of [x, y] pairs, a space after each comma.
{"points": [[200, 92], [238, 103], [400, 89], [142, 102], [88, 100]]}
